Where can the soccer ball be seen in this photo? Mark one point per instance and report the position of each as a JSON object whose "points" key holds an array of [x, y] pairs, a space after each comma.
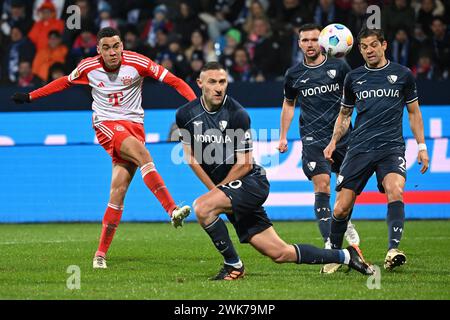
{"points": [[336, 40]]}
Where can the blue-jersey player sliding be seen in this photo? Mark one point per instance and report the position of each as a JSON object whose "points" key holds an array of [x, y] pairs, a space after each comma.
{"points": [[378, 91], [217, 143], [317, 84]]}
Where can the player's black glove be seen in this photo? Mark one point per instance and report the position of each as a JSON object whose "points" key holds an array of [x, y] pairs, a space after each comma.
{"points": [[20, 97]]}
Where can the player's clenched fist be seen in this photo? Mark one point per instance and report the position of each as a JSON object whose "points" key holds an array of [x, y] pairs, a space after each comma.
{"points": [[282, 145], [328, 151], [20, 97]]}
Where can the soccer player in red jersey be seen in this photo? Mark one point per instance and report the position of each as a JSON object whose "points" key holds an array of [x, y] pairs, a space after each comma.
{"points": [[116, 76]]}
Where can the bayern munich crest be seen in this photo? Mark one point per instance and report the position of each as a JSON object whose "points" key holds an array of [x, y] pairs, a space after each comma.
{"points": [[127, 80]]}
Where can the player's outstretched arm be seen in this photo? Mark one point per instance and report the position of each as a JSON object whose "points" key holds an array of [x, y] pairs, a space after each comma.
{"points": [[178, 84], [287, 114], [340, 128], [195, 166], [53, 87], [416, 124]]}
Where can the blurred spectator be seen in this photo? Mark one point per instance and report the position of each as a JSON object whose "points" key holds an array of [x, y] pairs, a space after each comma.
{"points": [[327, 12], [400, 49], [104, 16], [250, 8], [256, 10], [398, 14], [441, 45], [264, 50], [46, 23], [85, 45], [424, 69], [57, 4], [286, 12], [17, 17], [55, 52], [132, 42], [232, 40], [87, 22], [196, 63], [356, 20], [241, 69], [215, 18], [161, 44], [428, 10], [56, 71], [26, 76], [159, 22], [198, 43], [19, 49], [187, 22]]}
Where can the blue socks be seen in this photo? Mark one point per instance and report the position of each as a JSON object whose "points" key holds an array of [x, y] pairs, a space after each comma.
{"points": [[395, 220], [218, 233], [323, 213]]}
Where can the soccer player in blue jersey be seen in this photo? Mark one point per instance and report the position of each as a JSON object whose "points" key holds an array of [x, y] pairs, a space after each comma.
{"points": [[217, 143], [317, 83], [378, 91]]}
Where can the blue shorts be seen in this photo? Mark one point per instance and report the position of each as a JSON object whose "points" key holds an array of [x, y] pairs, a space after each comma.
{"points": [[357, 169], [247, 196], [314, 163]]}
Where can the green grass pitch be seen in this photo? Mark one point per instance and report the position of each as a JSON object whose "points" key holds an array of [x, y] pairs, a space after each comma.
{"points": [[156, 261]]}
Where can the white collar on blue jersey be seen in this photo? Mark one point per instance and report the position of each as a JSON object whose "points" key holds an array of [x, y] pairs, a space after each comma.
{"points": [[319, 65], [377, 69], [206, 110]]}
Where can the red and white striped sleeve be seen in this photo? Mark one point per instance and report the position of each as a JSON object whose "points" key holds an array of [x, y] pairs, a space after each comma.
{"points": [[79, 74], [148, 68]]}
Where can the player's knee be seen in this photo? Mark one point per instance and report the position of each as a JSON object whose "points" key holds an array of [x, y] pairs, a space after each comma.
{"points": [[341, 210], [201, 209], [323, 186], [394, 192]]}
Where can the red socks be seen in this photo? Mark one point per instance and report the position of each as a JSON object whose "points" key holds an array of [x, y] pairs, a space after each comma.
{"points": [[111, 220], [155, 183]]}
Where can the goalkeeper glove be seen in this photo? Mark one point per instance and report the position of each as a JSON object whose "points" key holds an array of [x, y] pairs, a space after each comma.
{"points": [[20, 97]]}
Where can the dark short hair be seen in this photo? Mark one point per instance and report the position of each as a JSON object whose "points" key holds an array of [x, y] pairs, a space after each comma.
{"points": [[54, 33], [309, 27], [106, 33], [212, 65], [368, 32]]}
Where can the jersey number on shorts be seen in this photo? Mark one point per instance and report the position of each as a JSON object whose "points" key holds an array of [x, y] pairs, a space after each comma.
{"points": [[115, 98], [402, 165], [236, 184]]}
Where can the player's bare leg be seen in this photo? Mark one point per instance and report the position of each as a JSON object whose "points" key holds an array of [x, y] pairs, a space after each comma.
{"points": [[122, 174], [394, 185], [270, 244], [345, 199], [134, 151], [207, 208]]}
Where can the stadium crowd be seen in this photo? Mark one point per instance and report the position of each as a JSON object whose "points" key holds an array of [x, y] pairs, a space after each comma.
{"points": [[256, 40]]}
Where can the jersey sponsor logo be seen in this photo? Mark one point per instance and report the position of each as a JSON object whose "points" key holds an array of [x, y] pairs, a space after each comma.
{"points": [[331, 73], [311, 165], [360, 82], [320, 89], [223, 125], [127, 80], [378, 93], [392, 78], [209, 138], [115, 98], [304, 80]]}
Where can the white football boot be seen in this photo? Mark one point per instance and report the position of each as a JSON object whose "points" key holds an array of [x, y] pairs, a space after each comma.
{"points": [[179, 214]]}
